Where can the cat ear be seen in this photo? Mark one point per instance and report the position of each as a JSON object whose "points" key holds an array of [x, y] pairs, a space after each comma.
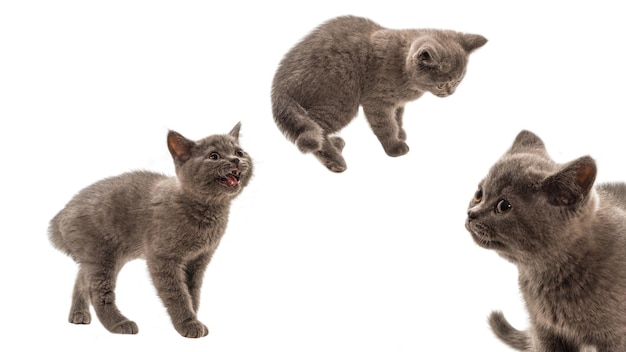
{"points": [[235, 131], [471, 42], [572, 183], [527, 141], [425, 56], [179, 146]]}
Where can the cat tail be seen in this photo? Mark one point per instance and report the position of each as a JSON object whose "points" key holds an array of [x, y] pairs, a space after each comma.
{"points": [[293, 120], [519, 340]]}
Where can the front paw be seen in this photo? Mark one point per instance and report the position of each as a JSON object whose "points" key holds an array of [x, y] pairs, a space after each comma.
{"points": [[402, 134], [80, 317], [192, 329], [125, 327], [396, 149]]}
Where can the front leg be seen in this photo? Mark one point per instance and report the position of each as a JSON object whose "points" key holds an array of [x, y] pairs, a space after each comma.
{"points": [[384, 121], [194, 271], [170, 279], [399, 114]]}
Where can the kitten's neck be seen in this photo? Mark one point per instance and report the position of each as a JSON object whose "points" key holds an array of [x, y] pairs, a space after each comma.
{"points": [[561, 265], [209, 213], [205, 210], [575, 254], [571, 245], [204, 204]]}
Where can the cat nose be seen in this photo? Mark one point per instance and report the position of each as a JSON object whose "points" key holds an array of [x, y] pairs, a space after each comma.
{"points": [[235, 161], [472, 214]]}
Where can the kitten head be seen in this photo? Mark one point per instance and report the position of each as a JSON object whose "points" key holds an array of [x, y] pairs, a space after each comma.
{"points": [[528, 206], [213, 168], [437, 61]]}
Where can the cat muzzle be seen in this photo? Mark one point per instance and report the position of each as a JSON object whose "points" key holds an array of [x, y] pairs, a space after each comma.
{"points": [[231, 179]]}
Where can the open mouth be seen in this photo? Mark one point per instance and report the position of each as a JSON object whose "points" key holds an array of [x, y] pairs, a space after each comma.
{"points": [[231, 179]]}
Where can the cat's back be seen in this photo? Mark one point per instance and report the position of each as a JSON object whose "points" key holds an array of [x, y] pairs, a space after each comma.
{"points": [[610, 230], [327, 63], [113, 207], [615, 194], [610, 226], [332, 41], [124, 191], [346, 25]]}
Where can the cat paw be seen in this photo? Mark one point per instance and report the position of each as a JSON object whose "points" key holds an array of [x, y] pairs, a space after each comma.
{"points": [[337, 142], [397, 149], [333, 161], [402, 135], [125, 327], [336, 168], [80, 317], [309, 142], [192, 329]]}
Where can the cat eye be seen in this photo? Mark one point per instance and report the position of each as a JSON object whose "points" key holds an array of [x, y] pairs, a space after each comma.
{"points": [[478, 196], [239, 153], [503, 206], [441, 86], [214, 156]]}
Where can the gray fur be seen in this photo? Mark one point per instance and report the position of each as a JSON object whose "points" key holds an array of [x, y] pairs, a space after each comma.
{"points": [[349, 62], [174, 223], [567, 238]]}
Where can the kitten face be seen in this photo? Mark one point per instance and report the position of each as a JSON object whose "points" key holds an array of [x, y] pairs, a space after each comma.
{"points": [[216, 165], [445, 88], [439, 74], [439, 61], [506, 209], [527, 204]]}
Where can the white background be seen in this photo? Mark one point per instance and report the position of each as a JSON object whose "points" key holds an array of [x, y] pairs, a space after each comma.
{"points": [[374, 259]]}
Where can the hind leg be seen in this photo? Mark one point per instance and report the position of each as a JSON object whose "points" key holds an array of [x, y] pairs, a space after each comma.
{"points": [[330, 154], [337, 142], [310, 140], [101, 279], [79, 312]]}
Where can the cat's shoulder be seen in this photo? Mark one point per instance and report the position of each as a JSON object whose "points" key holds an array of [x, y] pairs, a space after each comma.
{"points": [[350, 20]]}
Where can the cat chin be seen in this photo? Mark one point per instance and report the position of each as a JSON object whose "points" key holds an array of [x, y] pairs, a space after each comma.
{"points": [[487, 243]]}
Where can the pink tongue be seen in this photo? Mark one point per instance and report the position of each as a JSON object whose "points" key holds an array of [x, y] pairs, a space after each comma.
{"points": [[231, 180]]}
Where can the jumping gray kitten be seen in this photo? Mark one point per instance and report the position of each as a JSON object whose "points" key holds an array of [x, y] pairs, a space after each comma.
{"points": [[349, 62], [175, 223], [567, 238]]}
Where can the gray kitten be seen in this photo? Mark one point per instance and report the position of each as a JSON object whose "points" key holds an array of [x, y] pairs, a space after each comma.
{"points": [[567, 238], [175, 223], [349, 62]]}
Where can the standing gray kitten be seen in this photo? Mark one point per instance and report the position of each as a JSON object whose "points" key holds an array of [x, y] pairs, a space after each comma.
{"points": [[175, 223], [349, 62], [567, 238]]}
